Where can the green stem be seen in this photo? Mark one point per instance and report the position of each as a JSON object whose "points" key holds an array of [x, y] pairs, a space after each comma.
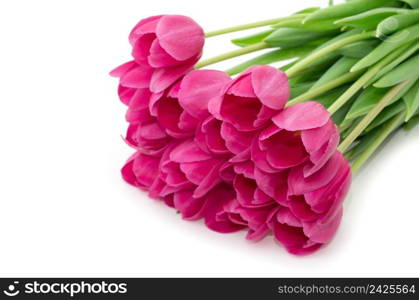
{"points": [[384, 133], [362, 81], [327, 50], [348, 77], [252, 25], [372, 115], [232, 54]]}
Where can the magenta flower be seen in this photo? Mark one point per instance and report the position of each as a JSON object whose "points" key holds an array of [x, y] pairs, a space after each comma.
{"points": [[181, 108], [186, 166], [301, 134], [236, 141], [131, 77], [145, 132], [254, 220], [253, 98], [314, 209], [170, 115], [167, 41], [207, 207], [257, 194], [208, 137], [141, 170]]}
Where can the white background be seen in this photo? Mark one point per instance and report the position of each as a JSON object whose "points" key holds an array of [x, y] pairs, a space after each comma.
{"points": [[64, 210]]}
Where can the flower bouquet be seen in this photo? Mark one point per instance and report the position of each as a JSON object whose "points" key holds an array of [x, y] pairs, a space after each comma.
{"points": [[269, 150]]}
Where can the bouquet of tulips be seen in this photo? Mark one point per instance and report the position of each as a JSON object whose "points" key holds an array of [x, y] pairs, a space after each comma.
{"points": [[267, 150]]}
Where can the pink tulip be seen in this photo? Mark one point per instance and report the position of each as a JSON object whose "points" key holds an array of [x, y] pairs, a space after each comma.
{"points": [[131, 77], [257, 194], [207, 207], [186, 166], [314, 209], [141, 170], [253, 98], [209, 139], [167, 41], [200, 87], [182, 107], [233, 215], [301, 134], [236, 141], [216, 217], [145, 132], [170, 115]]}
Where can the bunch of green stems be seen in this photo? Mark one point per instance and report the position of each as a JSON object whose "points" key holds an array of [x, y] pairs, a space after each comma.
{"points": [[360, 59]]}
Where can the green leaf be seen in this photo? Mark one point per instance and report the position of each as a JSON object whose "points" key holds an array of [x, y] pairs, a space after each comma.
{"points": [[328, 98], [412, 123], [370, 19], [271, 57], [366, 101], [300, 89], [293, 37], [288, 65], [312, 76], [406, 51], [412, 3], [393, 42], [359, 49], [411, 100], [342, 66], [252, 39], [397, 22], [388, 113], [314, 26], [407, 70], [348, 126], [308, 10], [339, 37], [363, 144], [347, 9], [320, 66]]}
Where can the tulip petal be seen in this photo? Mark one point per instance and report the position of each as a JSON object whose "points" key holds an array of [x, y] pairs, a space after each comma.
{"points": [[125, 94], [122, 69], [299, 185], [245, 189], [211, 180], [302, 116], [180, 36], [146, 169], [198, 88], [188, 151], [127, 172], [159, 58], [214, 205], [284, 149], [236, 141], [145, 26], [246, 168], [248, 108], [138, 77], [190, 207], [271, 86], [259, 157], [241, 87], [164, 77], [323, 232], [301, 209]]}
